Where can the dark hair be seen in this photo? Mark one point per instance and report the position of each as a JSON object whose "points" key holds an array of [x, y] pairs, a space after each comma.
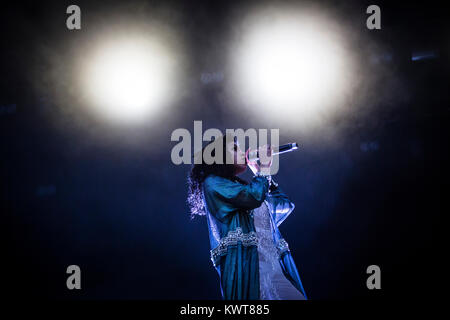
{"points": [[198, 174]]}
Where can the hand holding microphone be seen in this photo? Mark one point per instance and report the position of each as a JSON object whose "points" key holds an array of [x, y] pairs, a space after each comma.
{"points": [[264, 162], [252, 156]]}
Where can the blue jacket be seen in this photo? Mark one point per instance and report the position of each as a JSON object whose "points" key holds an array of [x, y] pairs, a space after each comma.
{"points": [[232, 234]]}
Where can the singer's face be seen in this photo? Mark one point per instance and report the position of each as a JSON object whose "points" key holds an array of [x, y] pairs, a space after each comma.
{"points": [[238, 157]]}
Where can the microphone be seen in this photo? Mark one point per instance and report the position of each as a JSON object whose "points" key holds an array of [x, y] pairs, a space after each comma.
{"points": [[254, 155]]}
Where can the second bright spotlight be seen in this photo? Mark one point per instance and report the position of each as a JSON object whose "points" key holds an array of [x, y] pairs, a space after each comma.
{"points": [[289, 65]]}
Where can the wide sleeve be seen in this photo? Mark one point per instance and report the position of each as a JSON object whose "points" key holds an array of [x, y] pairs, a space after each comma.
{"points": [[225, 197], [279, 204]]}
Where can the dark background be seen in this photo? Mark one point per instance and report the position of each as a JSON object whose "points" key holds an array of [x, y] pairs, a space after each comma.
{"points": [[75, 190]]}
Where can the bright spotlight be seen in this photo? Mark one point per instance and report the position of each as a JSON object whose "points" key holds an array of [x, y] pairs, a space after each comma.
{"points": [[290, 65], [129, 79]]}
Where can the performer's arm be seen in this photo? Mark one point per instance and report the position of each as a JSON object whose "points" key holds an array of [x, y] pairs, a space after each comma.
{"points": [[227, 197], [280, 204]]}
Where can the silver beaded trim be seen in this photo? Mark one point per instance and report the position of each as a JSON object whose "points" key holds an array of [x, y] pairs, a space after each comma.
{"points": [[232, 238], [282, 246]]}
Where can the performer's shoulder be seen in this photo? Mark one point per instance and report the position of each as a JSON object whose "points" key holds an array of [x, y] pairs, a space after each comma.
{"points": [[212, 181]]}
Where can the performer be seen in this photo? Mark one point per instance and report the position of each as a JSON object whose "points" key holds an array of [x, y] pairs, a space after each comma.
{"points": [[247, 250]]}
